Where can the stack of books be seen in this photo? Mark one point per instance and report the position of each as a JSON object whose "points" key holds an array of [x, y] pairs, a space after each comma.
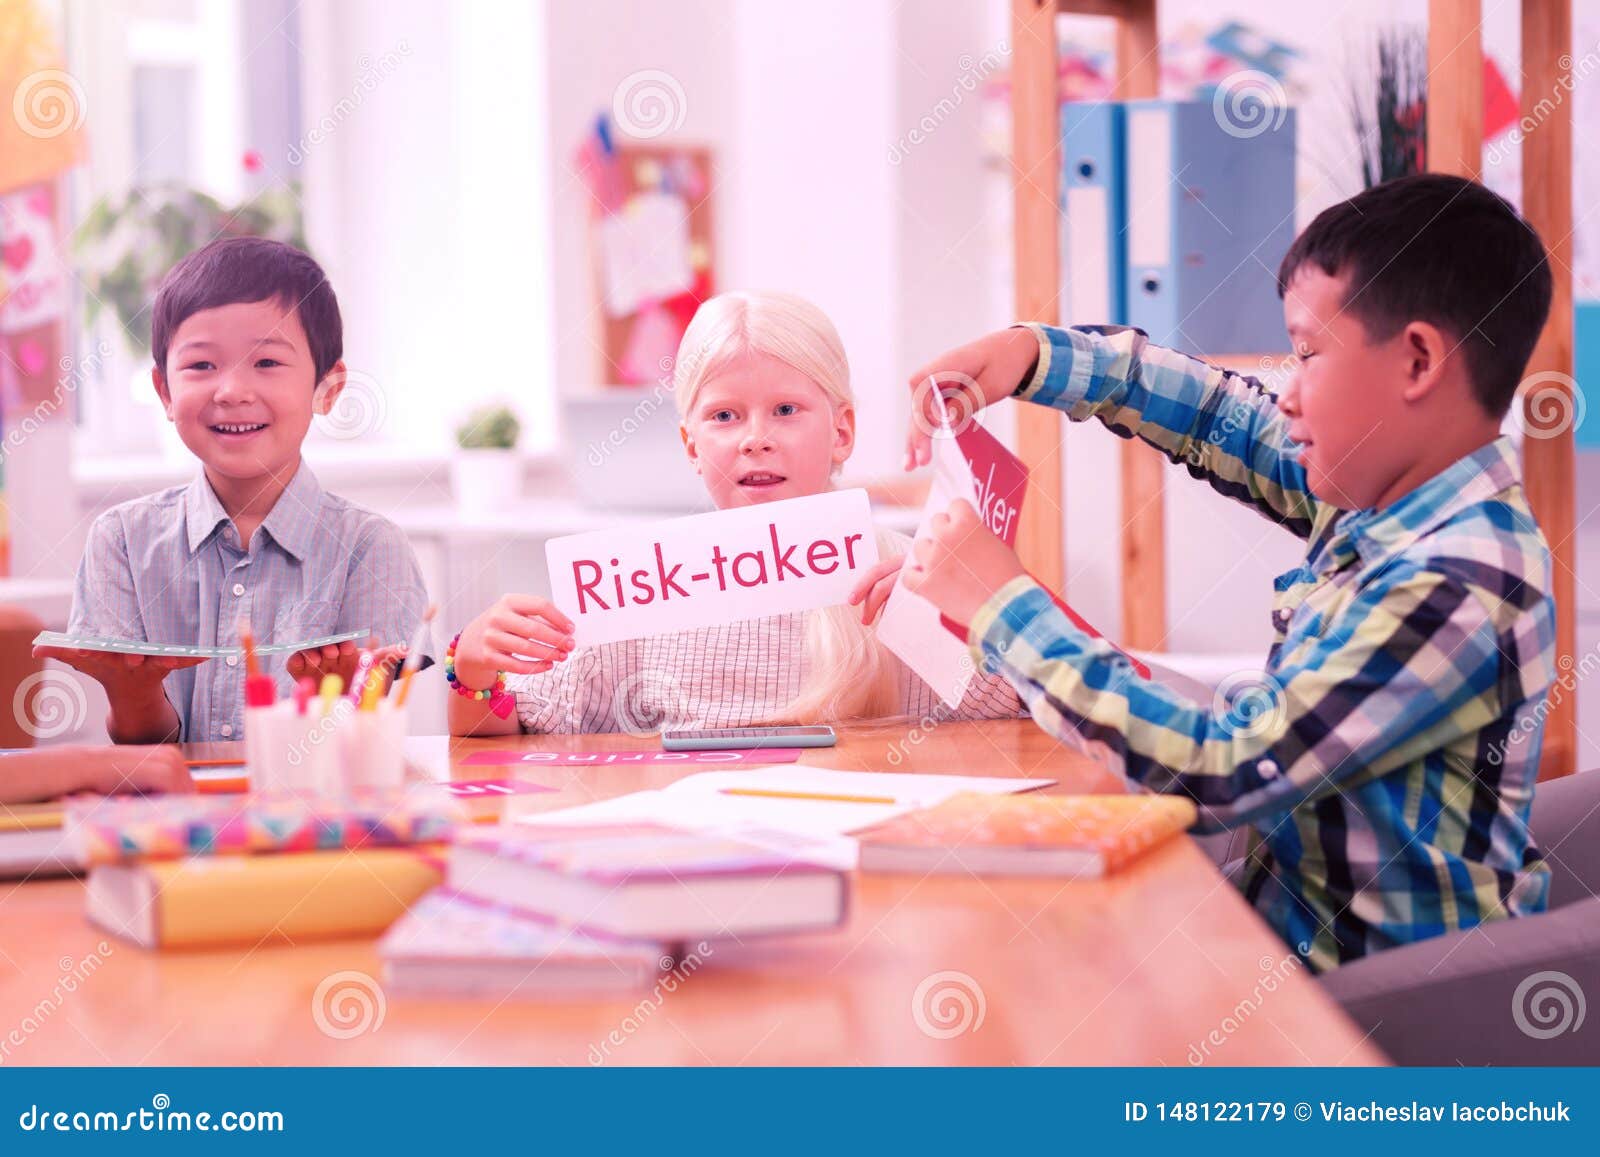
{"points": [[536, 910], [196, 871]]}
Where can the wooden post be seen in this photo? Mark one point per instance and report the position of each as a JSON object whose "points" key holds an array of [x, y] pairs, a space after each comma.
{"points": [[1455, 87], [1144, 518], [1036, 178], [1547, 449]]}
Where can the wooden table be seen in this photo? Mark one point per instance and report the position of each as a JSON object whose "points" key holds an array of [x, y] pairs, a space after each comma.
{"points": [[1154, 966]]}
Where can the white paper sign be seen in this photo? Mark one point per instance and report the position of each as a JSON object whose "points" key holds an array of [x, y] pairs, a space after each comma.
{"points": [[645, 252], [910, 624], [706, 569]]}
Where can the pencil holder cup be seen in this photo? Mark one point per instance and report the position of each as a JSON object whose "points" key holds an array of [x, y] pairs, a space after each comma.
{"points": [[372, 748], [286, 751]]}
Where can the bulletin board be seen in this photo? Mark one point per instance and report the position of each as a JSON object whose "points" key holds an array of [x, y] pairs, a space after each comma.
{"points": [[652, 253]]}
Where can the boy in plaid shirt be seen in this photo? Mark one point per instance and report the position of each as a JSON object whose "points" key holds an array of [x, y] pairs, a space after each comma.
{"points": [[1387, 761]]}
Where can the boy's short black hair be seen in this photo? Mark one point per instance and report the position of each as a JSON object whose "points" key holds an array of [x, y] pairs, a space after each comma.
{"points": [[244, 269], [1443, 250]]}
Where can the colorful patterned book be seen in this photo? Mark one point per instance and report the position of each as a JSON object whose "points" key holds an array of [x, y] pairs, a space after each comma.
{"points": [[1024, 835], [449, 944], [125, 829], [646, 882]]}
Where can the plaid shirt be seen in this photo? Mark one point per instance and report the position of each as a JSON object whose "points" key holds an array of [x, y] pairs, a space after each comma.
{"points": [[1386, 758], [167, 568]]}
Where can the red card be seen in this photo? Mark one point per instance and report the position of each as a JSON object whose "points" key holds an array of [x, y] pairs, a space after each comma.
{"points": [[1001, 480]]}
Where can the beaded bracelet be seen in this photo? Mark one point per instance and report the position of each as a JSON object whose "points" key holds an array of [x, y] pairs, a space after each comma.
{"points": [[499, 699]]}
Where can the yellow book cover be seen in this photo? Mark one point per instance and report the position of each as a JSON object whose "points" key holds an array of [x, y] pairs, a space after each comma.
{"points": [[1026, 834], [215, 900]]}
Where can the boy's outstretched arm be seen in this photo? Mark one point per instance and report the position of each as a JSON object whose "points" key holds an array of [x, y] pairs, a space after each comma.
{"points": [[1221, 426], [1412, 665]]}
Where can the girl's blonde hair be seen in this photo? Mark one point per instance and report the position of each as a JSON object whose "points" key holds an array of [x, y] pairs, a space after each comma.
{"points": [[851, 675]]}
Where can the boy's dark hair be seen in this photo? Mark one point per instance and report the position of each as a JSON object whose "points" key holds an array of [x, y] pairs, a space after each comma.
{"points": [[244, 269], [1443, 250]]}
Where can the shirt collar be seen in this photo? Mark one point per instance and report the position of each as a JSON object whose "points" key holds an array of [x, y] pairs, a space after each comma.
{"points": [[1378, 533], [203, 511], [291, 522]]}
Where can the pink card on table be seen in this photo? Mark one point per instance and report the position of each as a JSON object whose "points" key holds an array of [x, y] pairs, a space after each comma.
{"points": [[592, 758], [481, 788]]}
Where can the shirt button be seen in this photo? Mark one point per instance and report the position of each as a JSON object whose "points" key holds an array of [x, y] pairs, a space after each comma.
{"points": [[1268, 768], [227, 729], [238, 588], [233, 660]]}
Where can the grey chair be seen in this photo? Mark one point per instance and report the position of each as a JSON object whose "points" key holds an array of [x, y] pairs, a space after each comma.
{"points": [[1513, 992], [1566, 826]]}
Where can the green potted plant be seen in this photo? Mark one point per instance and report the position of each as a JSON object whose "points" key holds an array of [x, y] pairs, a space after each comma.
{"points": [[127, 243], [486, 471]]}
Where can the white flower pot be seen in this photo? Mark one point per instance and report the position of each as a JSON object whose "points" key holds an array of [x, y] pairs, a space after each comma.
{"points": [[485, 480]]}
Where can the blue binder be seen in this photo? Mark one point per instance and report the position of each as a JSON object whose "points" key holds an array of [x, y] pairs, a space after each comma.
{"points": [[1092, 207], [1210, 214], [1585, 368]]}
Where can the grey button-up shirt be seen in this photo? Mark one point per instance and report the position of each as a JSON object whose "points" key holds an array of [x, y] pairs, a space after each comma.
{"points": [[167, 568]]}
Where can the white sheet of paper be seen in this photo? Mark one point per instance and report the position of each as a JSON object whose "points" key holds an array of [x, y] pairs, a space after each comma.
{"points": [[644, 252], [813, 829], [708, 569], [910, 624], [905, 788]]}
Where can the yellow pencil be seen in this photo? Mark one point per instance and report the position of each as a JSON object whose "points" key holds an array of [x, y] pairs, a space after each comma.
{"points": [[767, 793]]}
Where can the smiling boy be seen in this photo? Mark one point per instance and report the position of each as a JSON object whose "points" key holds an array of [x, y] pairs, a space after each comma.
{"points": [[247, 342], [1377, 762]]}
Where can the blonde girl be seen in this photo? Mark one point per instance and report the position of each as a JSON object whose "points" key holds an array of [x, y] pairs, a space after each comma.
{"points": [[762, 388]]}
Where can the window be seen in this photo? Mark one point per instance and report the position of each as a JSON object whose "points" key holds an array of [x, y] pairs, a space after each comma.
{"points": [[421, 178], [175, 99]]}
